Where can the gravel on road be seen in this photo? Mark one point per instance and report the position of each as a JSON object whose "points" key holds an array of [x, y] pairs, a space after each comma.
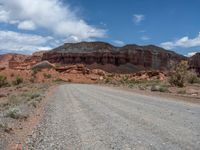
{"points": [[92, 117]]}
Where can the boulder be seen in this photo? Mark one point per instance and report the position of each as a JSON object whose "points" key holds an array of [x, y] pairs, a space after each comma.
{"points": [[43, 65], [99, 72], [2, 68]]}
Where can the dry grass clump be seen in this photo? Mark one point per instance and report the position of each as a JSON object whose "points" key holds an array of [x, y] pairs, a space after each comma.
{"points": [[3, 81], [15, 113], [18, 80]]}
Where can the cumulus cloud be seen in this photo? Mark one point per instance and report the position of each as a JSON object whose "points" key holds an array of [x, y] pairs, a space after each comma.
{"points": [[118, 42], [184, 42], [137, 18], [26, 25], [16, 41], [52, 15], [191, 54], [3, 15]]}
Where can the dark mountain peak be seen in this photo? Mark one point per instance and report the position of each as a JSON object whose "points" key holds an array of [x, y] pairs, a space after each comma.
{"points": [[83, 47]]}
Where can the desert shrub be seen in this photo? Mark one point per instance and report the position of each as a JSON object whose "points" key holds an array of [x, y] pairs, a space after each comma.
{"points": [[3, 81], [18, 80], [159, 88], [34, 71], [108, 80], [143, 84], [192, 77], [14, 113], [164, 89], [34, 104], [34, 95], [125, 78], [179, 75], [4, 127], [32, 80], [183, 91], [47, 76], [60, 80]]}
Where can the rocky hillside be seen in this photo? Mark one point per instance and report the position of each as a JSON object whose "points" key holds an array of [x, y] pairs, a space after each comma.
{"points": [[100, 53], [19, 61], [194, 62]]}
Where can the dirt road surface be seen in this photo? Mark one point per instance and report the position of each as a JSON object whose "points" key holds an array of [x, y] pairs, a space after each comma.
{"points": [[92, 117]]}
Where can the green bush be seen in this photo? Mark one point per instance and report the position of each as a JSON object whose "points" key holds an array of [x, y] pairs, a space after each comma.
{"points": [[17, 81], [181, 75], [3, 81], [47, 76], [108, 80], [34, 71]]}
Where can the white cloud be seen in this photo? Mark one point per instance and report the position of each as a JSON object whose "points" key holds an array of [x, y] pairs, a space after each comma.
{"points": [[137, 18], [26, 25], [145, 38], [191, 54], [3, 15], [184, 42], [16, 41], [52, 15], [44, 48], [118, 42], [167, 45]]}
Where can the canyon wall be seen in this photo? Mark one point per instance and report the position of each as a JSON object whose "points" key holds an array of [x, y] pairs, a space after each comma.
{"points": [[194, 62], [148, 57]]}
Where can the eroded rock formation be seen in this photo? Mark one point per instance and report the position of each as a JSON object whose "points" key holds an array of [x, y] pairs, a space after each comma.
{"points": [[148, 57], [194, 62]]}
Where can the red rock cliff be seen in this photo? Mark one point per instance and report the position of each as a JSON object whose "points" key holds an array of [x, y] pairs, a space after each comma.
{"points": [[150, 57], [194, 62]]}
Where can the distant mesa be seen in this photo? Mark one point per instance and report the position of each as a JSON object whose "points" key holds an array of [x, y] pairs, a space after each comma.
{"points": [[130, 57], [104, 56]]}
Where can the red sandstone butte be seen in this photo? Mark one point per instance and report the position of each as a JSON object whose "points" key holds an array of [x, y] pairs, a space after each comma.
{"points": [[146, 57]]}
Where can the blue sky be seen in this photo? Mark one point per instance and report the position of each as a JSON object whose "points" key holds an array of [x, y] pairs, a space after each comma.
{"points": [[27, 25]]}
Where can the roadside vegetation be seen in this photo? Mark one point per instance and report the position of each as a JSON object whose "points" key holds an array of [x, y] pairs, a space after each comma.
{"points": [[181, 76], [181, 80], [18, 102], [47, 76], [3, 81], [18, 80]]}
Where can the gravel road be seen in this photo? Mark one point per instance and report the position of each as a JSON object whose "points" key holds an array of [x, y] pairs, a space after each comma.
{"points": [[92, 117]]}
